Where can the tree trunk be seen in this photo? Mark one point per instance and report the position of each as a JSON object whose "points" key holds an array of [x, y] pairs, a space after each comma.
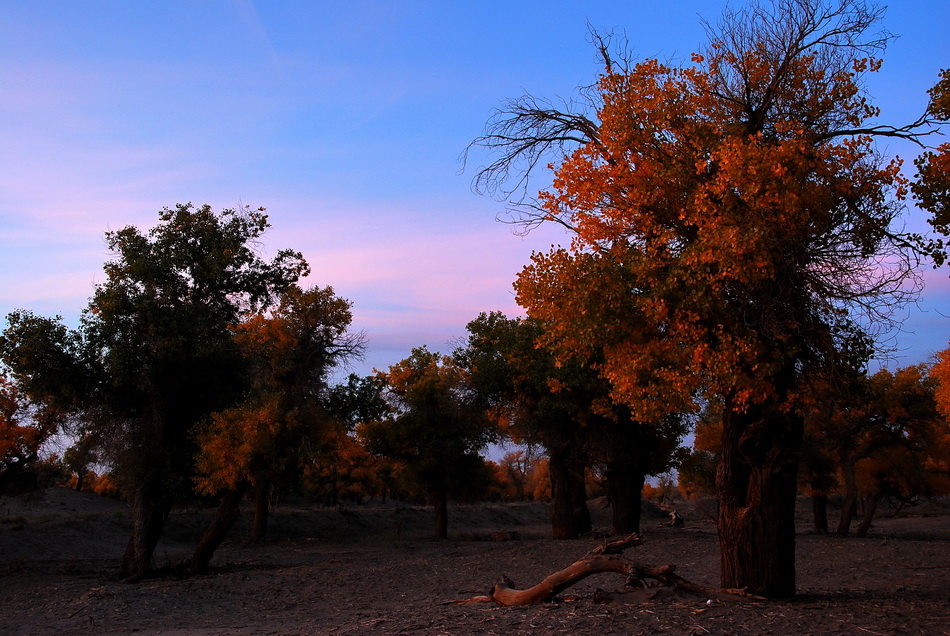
{"points": [[624, 487], [819, 507], [869, 509], [261, 510], [440, 500], [849, 507], [579, 509], [849, 510], [228, 512], [562, 501], [150, 510], [756, 484]]}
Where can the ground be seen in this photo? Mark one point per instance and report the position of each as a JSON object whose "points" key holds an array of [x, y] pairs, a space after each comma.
{"points": [[369, 569]]}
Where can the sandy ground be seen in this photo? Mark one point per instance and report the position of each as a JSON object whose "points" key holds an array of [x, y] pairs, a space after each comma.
{"points": [[371, 570]]}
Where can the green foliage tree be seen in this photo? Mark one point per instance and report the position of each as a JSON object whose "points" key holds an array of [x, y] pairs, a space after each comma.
{"points": [[154, 353], [741, 223], [435, 428], [566, 408], [534, 401]]}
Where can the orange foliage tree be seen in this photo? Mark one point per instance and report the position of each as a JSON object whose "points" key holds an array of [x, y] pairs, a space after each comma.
{"points": [[881, 436], [697, 471], [343, 468], [435, 428], [910, 436], [22, 433], [733, 223], [931, 188], [517, 475], [939, 462], [292, 351]]}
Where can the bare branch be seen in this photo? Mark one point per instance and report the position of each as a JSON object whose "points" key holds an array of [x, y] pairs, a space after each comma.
{"points": [[524, 132]]}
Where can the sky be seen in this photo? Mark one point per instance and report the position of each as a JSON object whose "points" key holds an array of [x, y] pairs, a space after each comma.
{"points": [[346, 120]]}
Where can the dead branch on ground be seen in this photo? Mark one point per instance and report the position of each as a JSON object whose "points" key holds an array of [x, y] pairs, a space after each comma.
{"points": [[604, 558]]}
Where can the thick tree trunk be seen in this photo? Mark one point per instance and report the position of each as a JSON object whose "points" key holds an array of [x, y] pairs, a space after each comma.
{"points": [[440, 500], [869, 509], [150, 510], [562, 501], [624, 487], [819, 507], [756, 484], [228, 512], [261, 510]]}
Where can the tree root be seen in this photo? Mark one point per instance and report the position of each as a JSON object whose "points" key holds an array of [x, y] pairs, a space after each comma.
{"points": [[604, 558]]}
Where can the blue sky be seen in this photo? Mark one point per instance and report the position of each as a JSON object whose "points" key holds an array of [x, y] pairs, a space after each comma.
{"points": [[346, 120]]}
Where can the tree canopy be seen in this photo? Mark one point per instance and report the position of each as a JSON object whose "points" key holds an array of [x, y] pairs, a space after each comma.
{"points": [[734, 225], [566, 407], [154, 353], [435, 429]]}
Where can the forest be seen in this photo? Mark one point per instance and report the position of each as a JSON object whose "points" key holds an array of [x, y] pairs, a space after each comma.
{"points": [[711, 333]]}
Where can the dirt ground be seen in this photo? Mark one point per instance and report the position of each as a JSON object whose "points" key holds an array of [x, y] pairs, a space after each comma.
{"points": [[371, 570]]}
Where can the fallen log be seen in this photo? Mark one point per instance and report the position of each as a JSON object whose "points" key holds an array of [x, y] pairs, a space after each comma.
{"points": [[604, 558], [505, 593]]}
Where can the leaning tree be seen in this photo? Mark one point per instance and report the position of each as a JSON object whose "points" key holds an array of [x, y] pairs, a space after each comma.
{"points": [[291, 351], [742, 225]]}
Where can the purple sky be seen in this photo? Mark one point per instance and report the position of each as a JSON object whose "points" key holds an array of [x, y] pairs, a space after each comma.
{"points": [[345, 120]]}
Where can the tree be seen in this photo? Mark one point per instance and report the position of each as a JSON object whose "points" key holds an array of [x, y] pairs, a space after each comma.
{"points": [[516, 475], [534, 401], [342, 465], [22, 434], [81, 455], [291, 350], [877, 436], [741, 223], [628, 450], [697, 470], [931, 188], [566, 408], [939, 463], [436, 429], [154, 353], [839, 425], [906, 431], [341, 468]]}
